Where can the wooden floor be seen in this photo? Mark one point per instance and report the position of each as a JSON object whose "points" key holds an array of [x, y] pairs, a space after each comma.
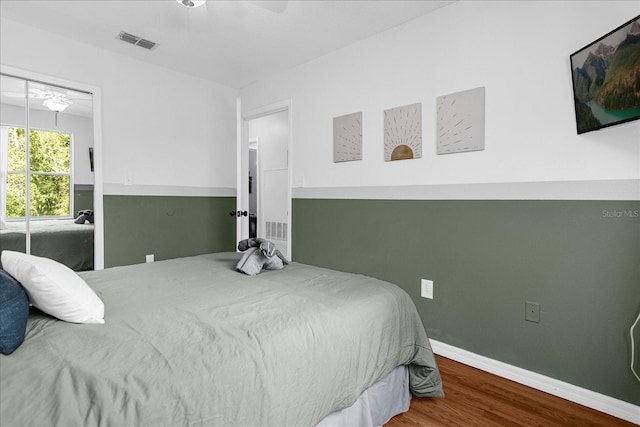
{"points": [[477, 398]]}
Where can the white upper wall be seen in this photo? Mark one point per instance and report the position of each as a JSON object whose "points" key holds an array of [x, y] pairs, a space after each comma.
{"points": [[161, 128], [166, 129], [519, 51]]}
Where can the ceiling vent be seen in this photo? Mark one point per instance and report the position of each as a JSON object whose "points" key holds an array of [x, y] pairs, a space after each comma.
{"points": [[138, 41]]}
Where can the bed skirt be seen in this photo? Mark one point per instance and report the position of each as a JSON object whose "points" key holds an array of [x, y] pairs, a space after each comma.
{"points": [[376, 405]]}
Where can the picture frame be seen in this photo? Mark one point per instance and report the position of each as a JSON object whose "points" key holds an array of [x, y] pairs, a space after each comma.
{"points": [[605, 77]]}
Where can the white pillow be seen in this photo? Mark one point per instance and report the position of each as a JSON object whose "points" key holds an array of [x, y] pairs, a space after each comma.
{"points": [[54, 288]]}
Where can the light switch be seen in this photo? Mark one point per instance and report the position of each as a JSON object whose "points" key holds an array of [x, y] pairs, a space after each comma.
{"points": [[426, 288]]}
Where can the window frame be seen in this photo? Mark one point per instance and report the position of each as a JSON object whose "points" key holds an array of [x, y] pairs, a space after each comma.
{"points": [[28, 173]]}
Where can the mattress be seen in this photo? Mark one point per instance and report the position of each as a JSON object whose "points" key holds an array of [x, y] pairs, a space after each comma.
{"points": [[193, 342]]}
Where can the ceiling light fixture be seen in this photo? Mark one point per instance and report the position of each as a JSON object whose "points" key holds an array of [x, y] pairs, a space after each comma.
{"points": [[56, 103], [191, 3]]}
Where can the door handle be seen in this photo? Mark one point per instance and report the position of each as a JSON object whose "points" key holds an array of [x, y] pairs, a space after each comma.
{"points": [[238, 213]]}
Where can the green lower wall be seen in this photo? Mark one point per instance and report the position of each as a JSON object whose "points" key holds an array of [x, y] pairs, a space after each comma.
{"points": [[166, 226], [580, 260], [82, 199]]}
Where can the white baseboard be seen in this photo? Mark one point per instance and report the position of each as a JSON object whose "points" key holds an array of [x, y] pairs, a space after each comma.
{"points": [[582, 396]]}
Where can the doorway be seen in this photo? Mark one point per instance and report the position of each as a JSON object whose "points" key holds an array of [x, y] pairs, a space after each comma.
{"points": [[264, 190]]}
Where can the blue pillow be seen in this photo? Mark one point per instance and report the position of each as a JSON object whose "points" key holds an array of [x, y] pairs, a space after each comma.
{"points": [[14, 312]]}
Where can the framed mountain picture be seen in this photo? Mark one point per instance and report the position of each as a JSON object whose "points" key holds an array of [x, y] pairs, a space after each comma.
{"points": [[606, 79]]}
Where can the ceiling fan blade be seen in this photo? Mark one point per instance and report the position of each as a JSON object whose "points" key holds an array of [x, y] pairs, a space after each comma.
{"points": [[37, 93], [277, 6]]}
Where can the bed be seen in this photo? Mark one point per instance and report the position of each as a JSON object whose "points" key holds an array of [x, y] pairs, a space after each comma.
{"points": [[59, 239], [191, 341]]}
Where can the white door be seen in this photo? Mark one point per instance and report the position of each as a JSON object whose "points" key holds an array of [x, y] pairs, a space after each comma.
{"points": [[266, 138]]}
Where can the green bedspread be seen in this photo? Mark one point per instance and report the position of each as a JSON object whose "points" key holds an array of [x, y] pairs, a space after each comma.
{"points": [[192, 342], [59, 239]]}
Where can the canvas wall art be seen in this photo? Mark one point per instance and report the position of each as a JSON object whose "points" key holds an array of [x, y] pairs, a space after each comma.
{"points": [[347, 138], [460, 121], [403, 133]]}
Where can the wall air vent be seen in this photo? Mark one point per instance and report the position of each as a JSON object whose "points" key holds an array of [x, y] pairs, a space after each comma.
{"points": [[138, 41]]}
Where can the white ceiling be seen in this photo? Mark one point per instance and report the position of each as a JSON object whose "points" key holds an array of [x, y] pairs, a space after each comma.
{"points": [[234, 42]]}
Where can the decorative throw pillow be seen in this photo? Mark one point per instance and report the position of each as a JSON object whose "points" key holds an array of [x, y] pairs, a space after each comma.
{"points": [[54, 288], [14, 312], [251, 262]]}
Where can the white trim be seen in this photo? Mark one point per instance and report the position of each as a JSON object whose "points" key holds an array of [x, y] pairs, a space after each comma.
{"points": [[4, 148], [167, 190], [614, 189], [259, 190], [98, 174], [240, 125], [582, 396], [267, 110], [290, 177]]}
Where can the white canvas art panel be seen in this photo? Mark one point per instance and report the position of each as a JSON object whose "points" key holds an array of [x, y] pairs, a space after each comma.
{"points": [[460, 121], [403, 133], [347, 138]]}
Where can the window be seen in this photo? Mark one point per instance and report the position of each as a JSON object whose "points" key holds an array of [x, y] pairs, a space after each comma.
{"points": [[49, 173]]}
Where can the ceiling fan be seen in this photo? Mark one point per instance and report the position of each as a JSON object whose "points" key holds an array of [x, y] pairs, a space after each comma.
{"points": [[276, 6], [53, 100], [199, 15]]}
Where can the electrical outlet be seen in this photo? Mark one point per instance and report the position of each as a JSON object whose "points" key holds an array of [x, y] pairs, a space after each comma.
{"points": [[532, 311], [426, 288], [149, 258]]}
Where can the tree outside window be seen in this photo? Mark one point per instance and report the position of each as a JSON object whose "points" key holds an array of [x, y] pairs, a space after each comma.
{"points": [[50, 173]]}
